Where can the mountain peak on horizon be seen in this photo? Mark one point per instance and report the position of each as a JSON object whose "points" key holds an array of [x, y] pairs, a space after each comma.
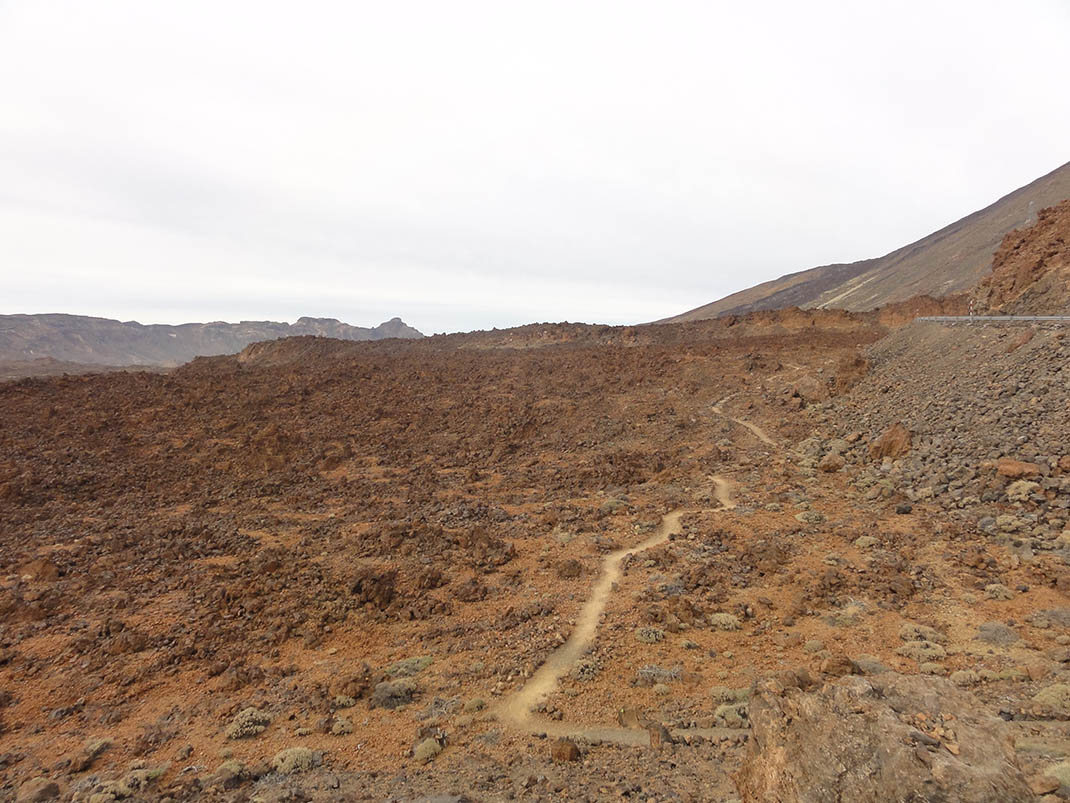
{"points": [[104, 341]]}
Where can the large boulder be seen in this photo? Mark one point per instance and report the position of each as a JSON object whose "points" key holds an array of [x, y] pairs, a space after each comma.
{"points": [[884, 738]]}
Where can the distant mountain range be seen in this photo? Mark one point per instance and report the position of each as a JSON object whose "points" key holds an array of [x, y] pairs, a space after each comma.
{"points": [[947, 262], [101, 341]]}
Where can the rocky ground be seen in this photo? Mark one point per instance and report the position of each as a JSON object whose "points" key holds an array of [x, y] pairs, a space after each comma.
{"points": [[320, 571]]}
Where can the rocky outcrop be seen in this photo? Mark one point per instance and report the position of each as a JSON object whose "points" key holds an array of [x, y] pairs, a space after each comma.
{"points": [[870, 740], [1031, 270]]}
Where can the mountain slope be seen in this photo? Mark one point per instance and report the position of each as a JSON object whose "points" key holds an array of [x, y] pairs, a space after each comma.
{"points": [[946, 262], [82, 339]]}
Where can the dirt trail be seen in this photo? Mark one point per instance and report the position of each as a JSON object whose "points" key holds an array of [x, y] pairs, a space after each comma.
{"points": [[754, 428], [516, 709]]}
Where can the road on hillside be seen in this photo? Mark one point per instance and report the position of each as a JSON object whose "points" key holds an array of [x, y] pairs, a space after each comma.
{"points": [[994, 318]]}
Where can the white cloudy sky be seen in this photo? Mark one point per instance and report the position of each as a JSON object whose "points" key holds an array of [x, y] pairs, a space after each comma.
{"points": [[474, 164]]}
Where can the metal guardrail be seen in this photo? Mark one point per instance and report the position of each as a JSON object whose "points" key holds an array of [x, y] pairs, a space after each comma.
{"points": [[992, 318]]}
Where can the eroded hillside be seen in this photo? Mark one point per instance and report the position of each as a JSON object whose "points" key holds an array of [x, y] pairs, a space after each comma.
{"points": [[1031, 270]]}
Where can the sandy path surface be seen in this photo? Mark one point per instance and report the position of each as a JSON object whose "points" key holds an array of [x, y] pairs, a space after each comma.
{"points": [[516, 710], [758, 432]]}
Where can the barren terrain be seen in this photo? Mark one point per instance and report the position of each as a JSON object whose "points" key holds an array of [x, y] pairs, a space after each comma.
{"points": [[541, 563]]}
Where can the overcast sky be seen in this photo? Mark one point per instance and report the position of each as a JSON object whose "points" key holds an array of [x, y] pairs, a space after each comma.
{"points": [[473, 164]]}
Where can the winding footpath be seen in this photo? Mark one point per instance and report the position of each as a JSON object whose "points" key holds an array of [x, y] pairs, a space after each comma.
{"points": [[754, 428], [516, 710]]}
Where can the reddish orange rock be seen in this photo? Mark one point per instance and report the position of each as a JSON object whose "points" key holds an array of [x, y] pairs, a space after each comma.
{"points": [[1016, 469], [894, 442], [564, 750], [41, 570], [839, 665]]}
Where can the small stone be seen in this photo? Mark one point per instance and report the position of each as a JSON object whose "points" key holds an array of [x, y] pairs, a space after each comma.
{"points": [[564, 750], [831, 463]]}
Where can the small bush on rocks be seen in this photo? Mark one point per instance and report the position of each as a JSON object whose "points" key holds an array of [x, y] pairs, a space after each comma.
{"points": [[248, 723]]}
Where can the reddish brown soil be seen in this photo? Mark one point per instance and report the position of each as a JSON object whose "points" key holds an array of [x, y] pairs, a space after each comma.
{"points": [[278, 528]]}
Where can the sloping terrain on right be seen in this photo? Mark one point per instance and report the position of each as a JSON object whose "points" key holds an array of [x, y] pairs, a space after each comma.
{"points": [[1031, 270], [946, 262]]}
